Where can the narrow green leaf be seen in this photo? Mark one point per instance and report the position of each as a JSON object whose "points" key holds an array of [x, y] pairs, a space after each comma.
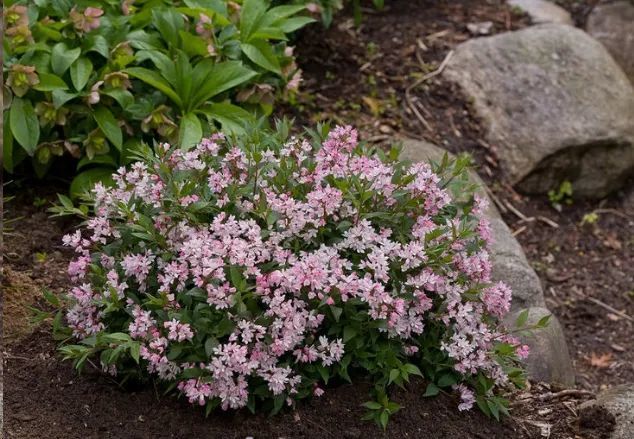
{"points": [[155, 80], [219, 78]]}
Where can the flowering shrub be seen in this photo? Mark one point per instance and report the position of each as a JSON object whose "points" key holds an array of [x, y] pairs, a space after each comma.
{"points": [[93, 80], [254, 271]]}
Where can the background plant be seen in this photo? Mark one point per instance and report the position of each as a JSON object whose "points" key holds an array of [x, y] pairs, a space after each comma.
{"points": [[253, 271], [97, 79]]}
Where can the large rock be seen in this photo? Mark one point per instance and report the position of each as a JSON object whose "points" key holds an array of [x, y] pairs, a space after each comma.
{"points": [[542, 11], [613, 25], [549, 360], [509, 261], [554, 103], [618, 401]]}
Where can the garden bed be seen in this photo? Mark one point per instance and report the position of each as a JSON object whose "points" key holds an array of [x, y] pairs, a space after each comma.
{"points": [[583, 268]]}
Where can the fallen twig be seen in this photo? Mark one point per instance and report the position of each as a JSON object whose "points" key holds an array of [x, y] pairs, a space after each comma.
{"points": [[548, 221], [518, 231], [408, 90], [610, 308], [517, 213]]}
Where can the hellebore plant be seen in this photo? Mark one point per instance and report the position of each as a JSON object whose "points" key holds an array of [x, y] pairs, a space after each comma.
{"points": [[254, 271]]}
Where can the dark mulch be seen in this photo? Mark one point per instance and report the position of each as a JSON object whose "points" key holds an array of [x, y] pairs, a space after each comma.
{"points": [[47, 399]]}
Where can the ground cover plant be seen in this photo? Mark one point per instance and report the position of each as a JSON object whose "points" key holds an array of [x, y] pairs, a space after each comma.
{"points": [[253, 271], [95, 79]]}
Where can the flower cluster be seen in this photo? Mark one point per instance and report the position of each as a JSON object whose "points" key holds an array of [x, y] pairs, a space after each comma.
{"points": [[244, 271]]}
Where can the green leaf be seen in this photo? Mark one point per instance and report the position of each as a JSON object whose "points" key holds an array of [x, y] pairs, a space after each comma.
{"points": [[155, 80], [108, 124], [447, 380], [80, 72], [62, 57], [233, 119], [190, 131], [349, 332], [103, 159], [394, 374], [432, 390], [522, 319], [24, 124], [543, 322], [50, 82], [412, 369], [372, 405], [260, 53], [86, 180], [336, 312], [250, 16], [168, 22], [295, 23], [60, 97], [193, 45], [123, 97], [135, 350], [219, 78]]}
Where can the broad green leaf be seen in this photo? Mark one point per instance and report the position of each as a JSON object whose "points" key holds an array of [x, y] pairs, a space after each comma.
{"points": [[60, 97], [190, 131], [123, 97], [233, 119], [432, 390], [108, 124], [62, 57], [155, 80], [96, 43], [103, 159], [24, 124], [80, 72], [260, 53], [50, 82], [220, 77], [86, 180]]}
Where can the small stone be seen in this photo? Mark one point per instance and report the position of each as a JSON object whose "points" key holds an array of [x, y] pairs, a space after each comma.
{"points": [[542, 11], [385, 129], [481, 28]]}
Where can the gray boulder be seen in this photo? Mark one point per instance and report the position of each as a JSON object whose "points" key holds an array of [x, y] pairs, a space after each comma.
{"points": [[555, 105], [509, 261], [542, 11], [613, 25], [549, 360], [619, 401]]}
